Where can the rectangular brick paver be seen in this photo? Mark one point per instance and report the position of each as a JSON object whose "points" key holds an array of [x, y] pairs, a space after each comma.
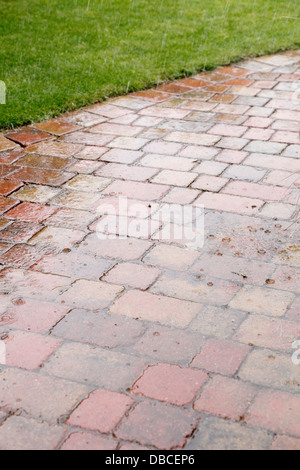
{"points": [[97, 328], [276, 411], [21, 433], [273, 369], [155, 308], [229, 203], [39, 396], [101, 411], [220, 356], [160, 430], [97, 367], [219, 434], [170, 383], [90, 294], [226, 398]]}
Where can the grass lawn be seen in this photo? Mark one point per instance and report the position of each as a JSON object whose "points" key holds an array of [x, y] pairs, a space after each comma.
{"points": [[58, 55]]}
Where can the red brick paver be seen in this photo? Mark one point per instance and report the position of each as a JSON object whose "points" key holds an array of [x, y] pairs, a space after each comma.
{"points": [[141, 343]]}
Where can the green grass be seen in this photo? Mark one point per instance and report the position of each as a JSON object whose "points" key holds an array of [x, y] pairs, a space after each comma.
{"points": [[58, 55]]}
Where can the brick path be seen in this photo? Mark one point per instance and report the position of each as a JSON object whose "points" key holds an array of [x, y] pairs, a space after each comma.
{"points": [[130, 344]]}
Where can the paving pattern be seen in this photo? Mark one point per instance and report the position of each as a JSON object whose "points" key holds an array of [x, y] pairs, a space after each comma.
{"points": [[137, 343]]}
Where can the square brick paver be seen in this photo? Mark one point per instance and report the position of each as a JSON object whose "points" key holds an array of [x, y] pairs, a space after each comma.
{"points": [[160, 430], [170, 383], [222, 357], [226, 398], [101, 411]]}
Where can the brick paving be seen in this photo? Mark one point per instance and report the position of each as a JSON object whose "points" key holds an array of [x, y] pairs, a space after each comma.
{"points": [[137, 343]]}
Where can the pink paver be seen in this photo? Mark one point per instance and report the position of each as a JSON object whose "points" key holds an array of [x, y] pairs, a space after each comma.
{"points": [[101, 411], [142, 343]]}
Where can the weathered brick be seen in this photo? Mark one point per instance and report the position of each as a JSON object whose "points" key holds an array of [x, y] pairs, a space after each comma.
{"points": [[199, 152], [20, 232], [20, 433], [228, 203], [89, 183], [169, 345], [165, 112], [6, 204], [278, 412], [287, 278], [56, 127], [123, 249], [74, 265], [220, 356], [273, 333], [259, 134], [294, 312], [88, 441], [186, 287], [271, 369], [98, 367], [192, 138], [21, 256], [99, 328], [127, 143], [28, 350], [285, 443], [31, 284], [6, 144], [125, 172], [90, 294], [226, 398], [175, 178], [57, 238], [211, 168], [260, 122], [227, 130], [217, 321], [87, 138], [32, 315], [170, 383], [37, 395], [27, 136], [234, 269], [164, 148], [116, 129], [258, 191], [71, 218], [160, 431], [210, 183], [76, 199], [167, 162], [29, 212], [171, 257], [231, 156], [262, 300], [8, 187], [101, 411], [143, 191], [133, 275], [155, 308], [37, 176], [219, 434], [278, 210], [259, 146], [86, 167], [32, 193], [44, 162], [122, 156]]}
